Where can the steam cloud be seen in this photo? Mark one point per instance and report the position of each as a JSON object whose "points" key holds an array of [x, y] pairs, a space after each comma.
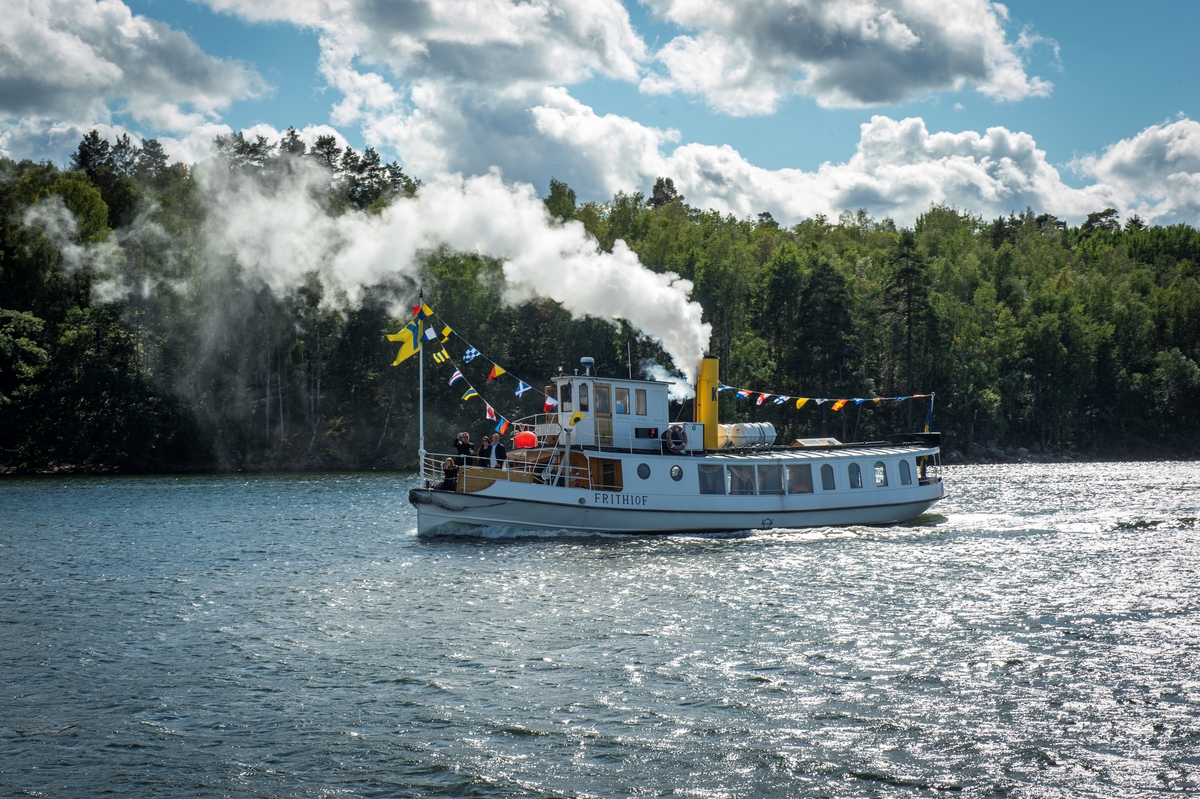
{"points": [[52, 217], [282, 235], [678, 390]]}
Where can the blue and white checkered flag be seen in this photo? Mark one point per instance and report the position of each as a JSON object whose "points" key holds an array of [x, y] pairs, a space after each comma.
{"points": [[470, 355]]}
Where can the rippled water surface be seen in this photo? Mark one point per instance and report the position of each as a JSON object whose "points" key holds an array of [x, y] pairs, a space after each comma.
{"points": [[1037, 634]]}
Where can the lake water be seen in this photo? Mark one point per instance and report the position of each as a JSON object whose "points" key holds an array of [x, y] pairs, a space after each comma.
{"points": [[1037, 634]]}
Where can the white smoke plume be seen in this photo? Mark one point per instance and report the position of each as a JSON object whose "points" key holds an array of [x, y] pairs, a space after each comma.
{"points": [[282, 235], [680, 389], [54, 220]]}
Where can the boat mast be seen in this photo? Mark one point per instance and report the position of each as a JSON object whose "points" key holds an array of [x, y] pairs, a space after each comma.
{"points": [[421, 390]]}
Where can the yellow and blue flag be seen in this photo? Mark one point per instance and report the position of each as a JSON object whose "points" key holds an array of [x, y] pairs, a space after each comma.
{"points": [[410, 342]]}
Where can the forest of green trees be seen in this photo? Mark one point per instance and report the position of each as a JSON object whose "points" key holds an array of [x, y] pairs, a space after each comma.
{"points": [[1066, 340]]}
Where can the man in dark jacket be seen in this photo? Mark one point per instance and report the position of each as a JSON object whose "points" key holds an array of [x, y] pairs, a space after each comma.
{"points": [[462, 445], [493, 455]]}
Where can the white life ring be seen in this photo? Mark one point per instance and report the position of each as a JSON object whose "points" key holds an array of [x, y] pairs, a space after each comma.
{"points": [[675, 443]]}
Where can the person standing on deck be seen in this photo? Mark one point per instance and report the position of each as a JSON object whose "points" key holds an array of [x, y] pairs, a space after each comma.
{"points": [[450, 469], [495, 456], [462, 445]]}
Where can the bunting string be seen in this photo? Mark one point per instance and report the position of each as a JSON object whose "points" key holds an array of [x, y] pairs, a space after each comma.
{"points": [[761, 397]]}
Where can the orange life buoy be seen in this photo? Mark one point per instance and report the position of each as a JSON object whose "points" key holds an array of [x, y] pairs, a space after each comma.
{"points": [[675, 438]]}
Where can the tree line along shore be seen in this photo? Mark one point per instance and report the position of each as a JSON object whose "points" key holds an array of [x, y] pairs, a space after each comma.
{"points": [[1041, 340]]}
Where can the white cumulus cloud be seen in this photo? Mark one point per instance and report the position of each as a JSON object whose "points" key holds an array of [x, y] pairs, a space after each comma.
{"points": [[1156, 173], [493, 43], [898, 169], [744, 58], [70, 65]]}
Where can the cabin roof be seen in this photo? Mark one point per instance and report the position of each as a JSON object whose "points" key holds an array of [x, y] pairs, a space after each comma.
{"points": [[613, 379], [789, 453]]}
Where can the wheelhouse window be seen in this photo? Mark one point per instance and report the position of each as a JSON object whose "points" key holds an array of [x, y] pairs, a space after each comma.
{"points": [[712, 478], [639, 396], [741, 479], [799, 478], [621, 395], [855, 476], [880, 474], [827, 478], [905, 474], [602, 403], [770, 479], [564, 397], [583, 397]]}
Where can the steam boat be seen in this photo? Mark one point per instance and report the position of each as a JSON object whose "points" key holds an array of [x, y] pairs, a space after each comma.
{"points": [[608, 459]]}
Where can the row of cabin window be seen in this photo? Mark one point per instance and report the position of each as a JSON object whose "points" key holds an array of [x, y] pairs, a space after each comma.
{"points": [[602, 405], [741, 478]]}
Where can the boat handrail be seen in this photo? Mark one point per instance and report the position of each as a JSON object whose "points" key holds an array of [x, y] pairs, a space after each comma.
{"points": [[549, 424], [548, 428]]}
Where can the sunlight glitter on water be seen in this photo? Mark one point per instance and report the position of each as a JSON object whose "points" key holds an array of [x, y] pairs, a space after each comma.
{"points": [[1035, 634]]}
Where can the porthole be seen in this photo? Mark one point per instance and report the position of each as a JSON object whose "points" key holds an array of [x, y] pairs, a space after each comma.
{"points": [[677, 473], [643, 471]]}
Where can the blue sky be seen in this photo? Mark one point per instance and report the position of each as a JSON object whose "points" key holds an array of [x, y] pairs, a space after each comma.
{"points": [[588, 92]]}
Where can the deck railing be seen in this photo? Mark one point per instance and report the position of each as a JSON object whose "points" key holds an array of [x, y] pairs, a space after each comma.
{"points": [[539, 466]]}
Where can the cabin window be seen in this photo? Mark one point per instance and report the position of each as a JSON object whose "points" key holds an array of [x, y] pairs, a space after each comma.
{"points": [[640, 396], [741, 479], [905, 474], [827, 478], [800, 478], [855, 476], [564, 397], [677, 473], [712, 478], [880, 474], [621, 395], [644, 471], [583, 397], [770, 479]]}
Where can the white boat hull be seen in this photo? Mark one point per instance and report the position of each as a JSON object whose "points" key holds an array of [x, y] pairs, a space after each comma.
{"points": [[438, 509]]}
